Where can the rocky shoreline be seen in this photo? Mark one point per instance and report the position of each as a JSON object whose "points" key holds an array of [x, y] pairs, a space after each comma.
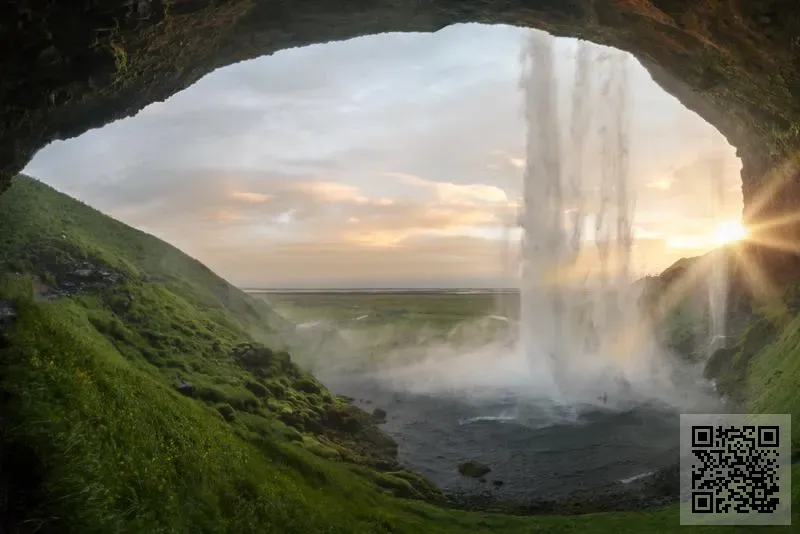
{"points": [[660, 489]]}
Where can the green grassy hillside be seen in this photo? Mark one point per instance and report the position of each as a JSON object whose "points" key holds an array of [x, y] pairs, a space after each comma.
{"points": [[134, 397]]}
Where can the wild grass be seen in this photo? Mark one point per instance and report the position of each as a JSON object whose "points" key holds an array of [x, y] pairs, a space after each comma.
{"points": [[95, 437]]}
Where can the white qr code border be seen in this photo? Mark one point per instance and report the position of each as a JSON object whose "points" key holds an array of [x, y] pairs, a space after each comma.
{"points": [[719, 485]]}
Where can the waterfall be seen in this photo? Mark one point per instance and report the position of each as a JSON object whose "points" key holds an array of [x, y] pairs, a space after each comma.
{"points": [[573, 317], [718, 281], [544, 237]]}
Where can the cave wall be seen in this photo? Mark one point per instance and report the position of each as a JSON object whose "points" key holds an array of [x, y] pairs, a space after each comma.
{"points": [[71, 65]]}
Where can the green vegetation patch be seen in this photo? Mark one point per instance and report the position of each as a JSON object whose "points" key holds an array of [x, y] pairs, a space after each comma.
{"points": [[125, 404]]}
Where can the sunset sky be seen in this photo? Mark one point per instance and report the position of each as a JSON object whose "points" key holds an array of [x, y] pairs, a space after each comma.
{"points": [[392, 160]]}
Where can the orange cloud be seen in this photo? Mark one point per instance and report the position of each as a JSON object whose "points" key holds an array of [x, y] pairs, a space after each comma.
{"points": [[332, 191], [226, 216], [253, 198], [464, 194]]}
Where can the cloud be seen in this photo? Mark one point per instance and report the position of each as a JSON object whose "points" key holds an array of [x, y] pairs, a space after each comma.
{"points": [[332, 191], [253, 198], [393, 157], [226, 216], [463, 194]]}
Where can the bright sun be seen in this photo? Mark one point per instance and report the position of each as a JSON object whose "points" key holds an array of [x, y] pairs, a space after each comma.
{"points": [[729, 232]]}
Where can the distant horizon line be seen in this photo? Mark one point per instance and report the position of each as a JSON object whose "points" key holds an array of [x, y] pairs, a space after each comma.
{"points": [[372, 288], [395, 288]]}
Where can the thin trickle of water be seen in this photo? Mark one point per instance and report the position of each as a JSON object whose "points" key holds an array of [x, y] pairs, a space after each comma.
{"points": [[718, 282], [568, 320]]}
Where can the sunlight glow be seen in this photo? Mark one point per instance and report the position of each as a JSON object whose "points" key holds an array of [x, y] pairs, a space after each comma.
{"points": [[729, 232]]}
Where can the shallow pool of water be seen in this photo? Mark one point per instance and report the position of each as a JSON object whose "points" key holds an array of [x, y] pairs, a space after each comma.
{"points": [[535, 449]]}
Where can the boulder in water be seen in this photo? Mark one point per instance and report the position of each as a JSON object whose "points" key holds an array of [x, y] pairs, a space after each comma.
{"points": [[473, 469], [379, 416]]}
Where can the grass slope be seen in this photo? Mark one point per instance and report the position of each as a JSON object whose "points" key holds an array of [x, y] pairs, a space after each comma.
{"points": [[94, 436]]}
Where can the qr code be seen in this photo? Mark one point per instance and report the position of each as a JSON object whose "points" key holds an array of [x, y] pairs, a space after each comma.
{"points": [[735, 469]]}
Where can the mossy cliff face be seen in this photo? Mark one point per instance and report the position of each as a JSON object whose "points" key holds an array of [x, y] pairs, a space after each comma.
{"points": [[69, 67]]}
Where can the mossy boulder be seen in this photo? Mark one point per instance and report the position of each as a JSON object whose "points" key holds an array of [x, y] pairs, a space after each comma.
{"points": [[308, 385], [253, 356], [276, 390], [404, 484], [227, 412], [256, 388], [341, 420]]}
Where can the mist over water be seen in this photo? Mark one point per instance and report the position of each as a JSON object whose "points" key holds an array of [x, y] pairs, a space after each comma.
{"points": [[575, 336], [569, 369]]}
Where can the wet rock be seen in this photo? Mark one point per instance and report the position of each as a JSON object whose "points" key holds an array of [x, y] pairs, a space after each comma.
{"points": [[64, 279], [7, 311], [386, 465], [338, 420], [473, 469], [719, 361], [379, 416], [7, 315]]}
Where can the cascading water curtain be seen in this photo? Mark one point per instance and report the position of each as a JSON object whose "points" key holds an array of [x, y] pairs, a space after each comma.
{"points": [[542, 222], [562, 320], [615, 237]]}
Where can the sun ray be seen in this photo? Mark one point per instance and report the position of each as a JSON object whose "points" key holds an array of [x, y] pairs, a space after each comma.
{"points": [[776, 222], [775, 180], [757, 281], [776, 243]]}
